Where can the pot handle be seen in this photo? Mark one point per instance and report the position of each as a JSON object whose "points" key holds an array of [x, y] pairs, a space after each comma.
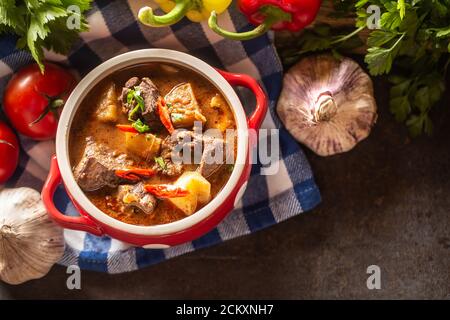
{"points": [[237, 79], [81, 223]]}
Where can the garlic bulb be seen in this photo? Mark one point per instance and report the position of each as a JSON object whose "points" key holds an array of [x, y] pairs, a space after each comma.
{"points": [[30, 243], [327, 104]]}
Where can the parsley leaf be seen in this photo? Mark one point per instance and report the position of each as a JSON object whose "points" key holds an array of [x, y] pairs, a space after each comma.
{"points": [[443, 32], [420, 123], [400, 107], [42, 24], [379, 60], [379, 38]]}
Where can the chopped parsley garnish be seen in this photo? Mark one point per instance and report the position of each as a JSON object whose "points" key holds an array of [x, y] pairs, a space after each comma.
{"points": [[37, 24], [140, 126], [132, 97], [161, 163]]}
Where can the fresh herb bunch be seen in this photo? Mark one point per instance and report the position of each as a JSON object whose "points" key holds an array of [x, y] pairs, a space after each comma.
{"points": [[411, 44], [43, 24]]}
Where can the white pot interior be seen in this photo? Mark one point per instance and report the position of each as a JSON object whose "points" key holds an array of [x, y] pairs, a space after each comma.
{"points": [[130, 59]]}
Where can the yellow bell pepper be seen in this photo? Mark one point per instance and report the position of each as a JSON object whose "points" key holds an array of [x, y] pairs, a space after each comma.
{"points": [[194, 10]]}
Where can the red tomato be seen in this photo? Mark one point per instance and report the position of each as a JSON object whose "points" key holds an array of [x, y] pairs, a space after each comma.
{"points": [[32, 100], [9, 152]]}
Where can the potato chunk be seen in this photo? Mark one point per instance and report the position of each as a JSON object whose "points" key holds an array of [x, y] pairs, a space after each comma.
{"points": [[218, 114], [195, 183], [187, 204], [199, 191], [183, 107], [107, 110], [146, 146]]}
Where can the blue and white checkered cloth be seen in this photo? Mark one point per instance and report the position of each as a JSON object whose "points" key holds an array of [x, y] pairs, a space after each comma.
{"points": [[114, 30]]}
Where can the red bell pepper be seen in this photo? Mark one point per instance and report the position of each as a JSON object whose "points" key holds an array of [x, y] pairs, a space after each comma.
{"points": [[292, 15]]}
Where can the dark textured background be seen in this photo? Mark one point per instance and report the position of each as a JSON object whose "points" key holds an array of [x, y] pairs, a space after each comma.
{"points": [[385, 203]]}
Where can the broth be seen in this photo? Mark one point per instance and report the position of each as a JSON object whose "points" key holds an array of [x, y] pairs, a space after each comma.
{"points": [[104, 132]]}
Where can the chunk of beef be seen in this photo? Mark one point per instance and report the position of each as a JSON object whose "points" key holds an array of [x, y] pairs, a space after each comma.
{"points": [[213, 150], [132, 82], [170, 168], [174, 144], [211, 161], [136, 196], [96, 168], [123, 98], [150, 94]]}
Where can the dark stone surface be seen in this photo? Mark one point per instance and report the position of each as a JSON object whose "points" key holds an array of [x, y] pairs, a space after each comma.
{"points": [[384, 203]]}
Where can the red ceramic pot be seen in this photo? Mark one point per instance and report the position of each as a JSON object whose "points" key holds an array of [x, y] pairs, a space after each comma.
{"points": [[93, 220]]}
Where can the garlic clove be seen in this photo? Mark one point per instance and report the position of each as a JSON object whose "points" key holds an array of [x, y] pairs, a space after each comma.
{"points": [[30, 243], [327, 104]]}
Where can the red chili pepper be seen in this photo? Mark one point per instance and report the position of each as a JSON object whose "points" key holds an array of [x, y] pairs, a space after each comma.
{"points": [[292, 15], [166, 191], [135, 174], [164, 116], [126, 128]]}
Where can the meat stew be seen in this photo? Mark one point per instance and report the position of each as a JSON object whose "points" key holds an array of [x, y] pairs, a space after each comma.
{"points": [[126, 131]]}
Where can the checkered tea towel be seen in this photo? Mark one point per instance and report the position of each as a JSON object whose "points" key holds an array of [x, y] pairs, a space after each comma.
{"points": [[113, 30]]}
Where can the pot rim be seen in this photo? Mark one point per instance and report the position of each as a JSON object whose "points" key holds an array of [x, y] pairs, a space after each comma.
{"points": [[126, 60]]}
